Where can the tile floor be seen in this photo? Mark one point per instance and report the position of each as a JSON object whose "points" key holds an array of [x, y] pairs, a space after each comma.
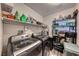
{"points": [[54, 53]]}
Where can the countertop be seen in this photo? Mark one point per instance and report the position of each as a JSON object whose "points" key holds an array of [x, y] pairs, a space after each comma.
{"points": [[73, 48]]}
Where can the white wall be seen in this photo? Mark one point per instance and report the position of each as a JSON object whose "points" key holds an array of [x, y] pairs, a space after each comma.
{"points": [[77, 6], [0, 32]]}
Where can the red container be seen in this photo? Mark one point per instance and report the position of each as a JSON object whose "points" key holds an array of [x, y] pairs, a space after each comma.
{"points": [[10, 17]]}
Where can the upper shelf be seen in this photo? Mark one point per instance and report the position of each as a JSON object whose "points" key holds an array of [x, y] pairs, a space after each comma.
{"points": [[6, 21]]}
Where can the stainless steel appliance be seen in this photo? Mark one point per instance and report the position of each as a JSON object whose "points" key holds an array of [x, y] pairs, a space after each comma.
{"points": [[44, 39], [22, 45]]}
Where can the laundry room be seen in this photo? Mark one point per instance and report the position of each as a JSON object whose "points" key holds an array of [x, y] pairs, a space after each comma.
{"points": [[39, 29]]}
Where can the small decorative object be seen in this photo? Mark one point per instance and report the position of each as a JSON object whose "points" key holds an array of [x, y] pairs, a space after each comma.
{"points": [[11, 16], [69, 16], [39, 23], [23, 18], [16, 15], [28, 19], [75, 14], [34, 21], [65, 17], [31, 20]]}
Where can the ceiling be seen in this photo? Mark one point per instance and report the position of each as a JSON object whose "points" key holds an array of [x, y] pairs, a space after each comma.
{"points": [[45, 9]]}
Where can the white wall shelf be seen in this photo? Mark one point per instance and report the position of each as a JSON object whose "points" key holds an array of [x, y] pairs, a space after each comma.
{"points": [[14, 22]]}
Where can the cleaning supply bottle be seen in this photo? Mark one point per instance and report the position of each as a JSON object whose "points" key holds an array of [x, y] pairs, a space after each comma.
{"points": [[23, 18], [17, 16]]}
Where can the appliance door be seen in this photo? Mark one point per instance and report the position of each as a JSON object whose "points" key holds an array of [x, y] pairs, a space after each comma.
{"points": [[32, 52], [36, 52], [46, 48]]}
